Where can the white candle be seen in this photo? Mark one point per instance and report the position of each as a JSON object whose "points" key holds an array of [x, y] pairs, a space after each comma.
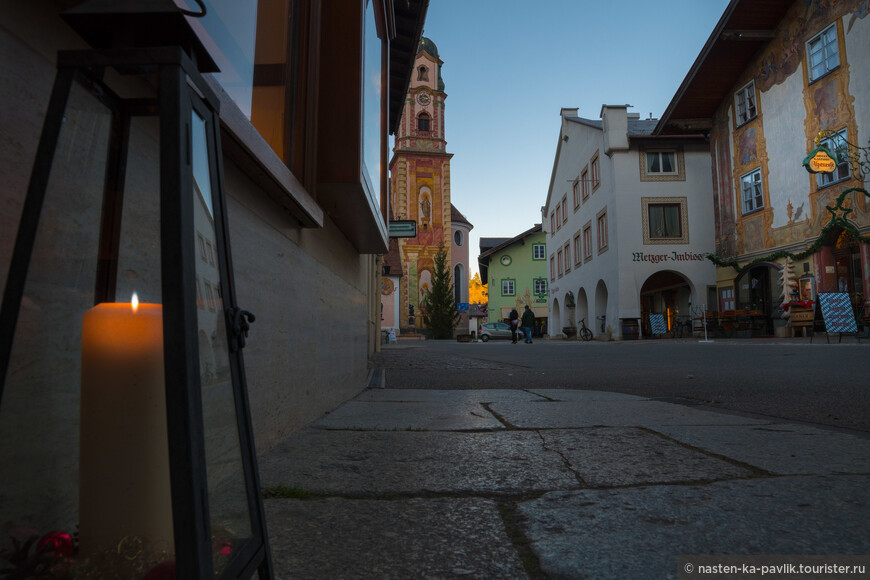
{"points": [[124, 488]]}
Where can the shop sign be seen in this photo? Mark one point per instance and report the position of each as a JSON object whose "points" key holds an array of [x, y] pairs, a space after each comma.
{"points": [[668, 257], [403, 229], [820, 160]]}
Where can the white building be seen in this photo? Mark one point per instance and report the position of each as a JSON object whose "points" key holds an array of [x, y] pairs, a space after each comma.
{"points": [[629, 218]]}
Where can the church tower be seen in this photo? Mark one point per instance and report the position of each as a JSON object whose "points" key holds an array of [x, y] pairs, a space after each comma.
{"points": [[420, 182]]}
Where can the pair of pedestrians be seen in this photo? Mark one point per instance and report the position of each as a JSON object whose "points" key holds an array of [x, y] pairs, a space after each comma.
{"points": [[528, 322]]}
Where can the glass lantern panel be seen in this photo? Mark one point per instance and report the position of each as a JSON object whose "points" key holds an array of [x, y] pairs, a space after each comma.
{"points": [[139, 248], [39, 415], [228, 503]]}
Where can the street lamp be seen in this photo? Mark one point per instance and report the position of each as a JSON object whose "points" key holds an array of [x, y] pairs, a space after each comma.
{"points": [[125, 433]]}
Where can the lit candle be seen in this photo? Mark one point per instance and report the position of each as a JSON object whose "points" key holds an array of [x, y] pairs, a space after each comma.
{"points": [[124, 489]]}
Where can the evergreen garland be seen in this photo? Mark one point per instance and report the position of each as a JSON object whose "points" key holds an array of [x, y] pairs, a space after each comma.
{"points": [[837, 220]]}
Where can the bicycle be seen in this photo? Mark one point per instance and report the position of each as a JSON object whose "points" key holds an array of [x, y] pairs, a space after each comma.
{"points": [[681, 324], [585, 333]]}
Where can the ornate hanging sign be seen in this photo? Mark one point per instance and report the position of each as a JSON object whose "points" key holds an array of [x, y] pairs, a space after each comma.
{"points": [[820, 160]]}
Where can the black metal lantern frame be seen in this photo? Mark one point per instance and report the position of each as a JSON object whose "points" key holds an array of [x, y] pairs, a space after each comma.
{"points": [[187, 111]]}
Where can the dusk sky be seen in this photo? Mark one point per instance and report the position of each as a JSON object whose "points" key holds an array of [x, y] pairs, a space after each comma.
{"points": [[510, 66]]}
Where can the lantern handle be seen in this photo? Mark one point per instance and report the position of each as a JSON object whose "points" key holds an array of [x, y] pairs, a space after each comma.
{"points": [[240, 322]]}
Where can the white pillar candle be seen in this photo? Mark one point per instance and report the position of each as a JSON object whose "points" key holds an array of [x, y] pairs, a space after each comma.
{"points": [[124, 488]]}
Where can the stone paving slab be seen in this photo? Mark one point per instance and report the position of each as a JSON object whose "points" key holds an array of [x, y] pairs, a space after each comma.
{"points": [[637, 533], [414, 538], [446, 416], [619, 413], [573, 395], [409, 462], [781, 448], [465, 397], [625, 456]]}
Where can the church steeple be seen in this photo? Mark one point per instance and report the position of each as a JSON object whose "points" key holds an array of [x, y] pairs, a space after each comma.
{"points": [[422, 124]]}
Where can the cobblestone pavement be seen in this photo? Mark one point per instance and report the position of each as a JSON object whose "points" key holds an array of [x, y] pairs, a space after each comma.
{"points": [[553, 483]]}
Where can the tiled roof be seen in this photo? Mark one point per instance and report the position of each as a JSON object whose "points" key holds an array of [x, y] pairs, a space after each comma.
{"points": [[392, 259], [457, 217], [489, 243], [635, 126]]}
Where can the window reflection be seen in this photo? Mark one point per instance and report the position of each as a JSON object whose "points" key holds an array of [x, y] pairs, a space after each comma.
{"points": [[249, 41], [372, 96]]}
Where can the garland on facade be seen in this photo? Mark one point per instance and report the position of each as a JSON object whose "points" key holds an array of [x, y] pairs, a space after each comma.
{"points": [[838, 219]]}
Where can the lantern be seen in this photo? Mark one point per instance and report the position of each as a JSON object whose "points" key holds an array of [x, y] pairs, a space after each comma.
{"points": [[125, 434]]}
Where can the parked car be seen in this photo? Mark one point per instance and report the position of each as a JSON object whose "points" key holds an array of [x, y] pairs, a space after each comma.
{"points": [[494, 330]]}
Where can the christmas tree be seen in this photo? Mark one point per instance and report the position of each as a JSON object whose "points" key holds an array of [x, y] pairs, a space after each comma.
{"points": [[439, 307]]}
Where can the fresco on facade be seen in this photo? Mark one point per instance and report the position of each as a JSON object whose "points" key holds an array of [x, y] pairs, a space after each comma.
{"points": [[723, 201], [786, 51], [753, 234], [747, 148], [826, 101]]}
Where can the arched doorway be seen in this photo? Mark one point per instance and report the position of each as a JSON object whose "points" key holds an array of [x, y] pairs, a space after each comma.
{"points": [[759, 293], [582, 310], [840, 266], [555, 322], [599, 325], [667, 293], [569, 321]]}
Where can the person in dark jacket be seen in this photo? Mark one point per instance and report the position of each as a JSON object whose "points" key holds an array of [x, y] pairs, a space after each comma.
{"points": [[514, 321], [528, 323]]}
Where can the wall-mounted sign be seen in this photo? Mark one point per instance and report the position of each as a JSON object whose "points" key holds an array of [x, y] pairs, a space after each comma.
{"points": [[462, 306], [820, 160], [403, 229], [669, 257]]}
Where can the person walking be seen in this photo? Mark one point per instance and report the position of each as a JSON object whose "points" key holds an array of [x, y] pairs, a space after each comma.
{"points": [[514, 321], [528, 323]]}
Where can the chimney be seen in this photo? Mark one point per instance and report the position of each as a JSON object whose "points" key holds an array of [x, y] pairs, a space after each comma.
{"points": [[615, 125]]}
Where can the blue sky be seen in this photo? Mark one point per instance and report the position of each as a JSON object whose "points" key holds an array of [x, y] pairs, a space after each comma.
{"points": [[510, 66]]}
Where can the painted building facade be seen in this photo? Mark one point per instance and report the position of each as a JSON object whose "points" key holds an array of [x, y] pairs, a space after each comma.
{"points": [[420, 191], [516, 271], [628, 220], [805, 71]]}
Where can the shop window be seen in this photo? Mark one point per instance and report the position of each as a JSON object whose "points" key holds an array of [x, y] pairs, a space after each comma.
{"points": [[744, 103], [595, 172], [567, 255], [665, 220], [752, 192], [836, 144], [823, 53], [578, 256], [587, 241], [661, 162], [602, 230]]}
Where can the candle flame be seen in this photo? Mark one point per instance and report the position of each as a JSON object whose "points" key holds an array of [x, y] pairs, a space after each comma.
{"points": [[134, 302]]}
